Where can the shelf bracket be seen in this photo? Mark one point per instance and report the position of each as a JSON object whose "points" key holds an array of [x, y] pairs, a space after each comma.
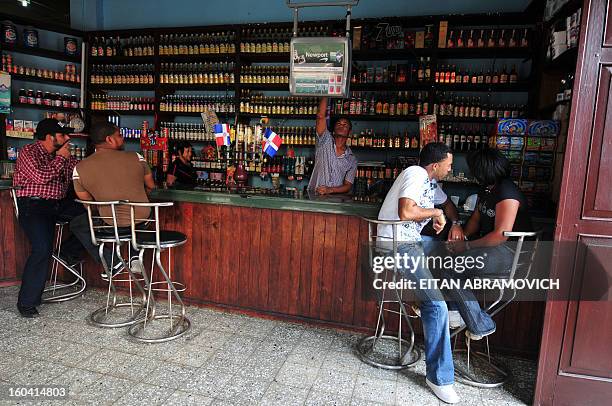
{"points": [[347, 3]]}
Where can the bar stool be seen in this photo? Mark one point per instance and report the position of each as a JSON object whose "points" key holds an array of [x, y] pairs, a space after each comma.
{"points": [[390, 301], [158, 240], [522, 261], [55, 291], [103, 233]]}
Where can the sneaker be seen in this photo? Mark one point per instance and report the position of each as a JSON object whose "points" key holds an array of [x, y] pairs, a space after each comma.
{"points": [[476, 337], [446, 393], [136, 266], [455, 320], [116, 269]]}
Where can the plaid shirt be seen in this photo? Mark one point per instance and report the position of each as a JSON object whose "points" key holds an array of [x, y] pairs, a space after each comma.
{"points": [[41, 174]]}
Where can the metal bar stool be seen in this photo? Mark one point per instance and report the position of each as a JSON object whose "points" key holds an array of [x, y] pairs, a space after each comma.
{"points": [[389, 301], [522, 260], [103, 233], [55, 291], [158, 240]]}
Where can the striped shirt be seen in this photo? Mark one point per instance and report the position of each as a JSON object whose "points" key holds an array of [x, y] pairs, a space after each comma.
{"points": [[330, 169]]}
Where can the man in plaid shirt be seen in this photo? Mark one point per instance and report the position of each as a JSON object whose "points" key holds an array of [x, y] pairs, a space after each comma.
{"points": [[43, 173]]}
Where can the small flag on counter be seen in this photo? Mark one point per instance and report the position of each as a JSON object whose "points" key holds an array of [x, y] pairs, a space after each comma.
{"points": [[222, 134], [272, 142]]}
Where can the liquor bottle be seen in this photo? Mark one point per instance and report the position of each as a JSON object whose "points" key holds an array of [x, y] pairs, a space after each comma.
{"points": [[525, 39], [480, 43], [503, 77], [501, 42], [450, 43], [512, 42], [471, 40], [513, 75], [460, 40], [491, 40]]}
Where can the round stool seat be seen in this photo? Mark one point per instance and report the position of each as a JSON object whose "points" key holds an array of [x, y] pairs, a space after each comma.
{"points": [[104, 235], [167, 239]]}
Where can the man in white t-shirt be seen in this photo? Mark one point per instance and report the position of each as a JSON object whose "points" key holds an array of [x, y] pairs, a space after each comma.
{"points": [[412, 198]]}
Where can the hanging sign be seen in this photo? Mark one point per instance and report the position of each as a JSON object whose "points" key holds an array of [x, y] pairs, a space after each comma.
{"points": [[320, 66]]}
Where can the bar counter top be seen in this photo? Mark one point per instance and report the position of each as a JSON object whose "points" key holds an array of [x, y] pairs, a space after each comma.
{"points": [[335, 204]]}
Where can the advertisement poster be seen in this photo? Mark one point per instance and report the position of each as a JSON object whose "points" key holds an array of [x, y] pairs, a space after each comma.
{"points": [[5, 93], [319, 66]]}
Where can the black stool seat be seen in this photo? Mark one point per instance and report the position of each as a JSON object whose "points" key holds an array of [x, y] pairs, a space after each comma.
{"points": [[167, 239], [108, 235]]}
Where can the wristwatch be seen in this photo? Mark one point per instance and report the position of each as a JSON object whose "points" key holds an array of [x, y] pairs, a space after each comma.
{"points": [[456, 223]]}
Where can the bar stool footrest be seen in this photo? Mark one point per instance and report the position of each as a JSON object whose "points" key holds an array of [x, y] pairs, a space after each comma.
{"points": [[180, 326], [178, 286], [365, 352], [99, 317], [496, 377]]}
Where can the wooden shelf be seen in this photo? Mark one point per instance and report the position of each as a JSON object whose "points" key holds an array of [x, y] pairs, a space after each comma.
{"points": [[564, 62], [120, 59], [265, 86], [450, 119], [198, 57], [42, 107], [265, 57], [42, 52], [484, 87], [564, 11], [36, 79], [170, 87], [124, 112], [115, 86], [189, 114], [485, 53], [391, 54], [390, 86]]}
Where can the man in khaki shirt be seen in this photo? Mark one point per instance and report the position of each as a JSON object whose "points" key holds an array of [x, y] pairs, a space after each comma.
{"points": [[110, 174]]}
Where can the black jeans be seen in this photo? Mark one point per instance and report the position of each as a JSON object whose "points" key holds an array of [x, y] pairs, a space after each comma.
{"points": [[80, 227], [37, 217]]}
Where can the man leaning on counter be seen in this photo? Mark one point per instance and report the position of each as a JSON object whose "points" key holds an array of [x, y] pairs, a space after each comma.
{"points": [[335, 165]]}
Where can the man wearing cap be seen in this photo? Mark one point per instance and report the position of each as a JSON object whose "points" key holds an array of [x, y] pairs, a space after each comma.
{"points": [[43, 174], [335, 165]]}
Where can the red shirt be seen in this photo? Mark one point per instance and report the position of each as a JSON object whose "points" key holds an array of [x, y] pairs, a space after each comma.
{"points": [[42, 174]]}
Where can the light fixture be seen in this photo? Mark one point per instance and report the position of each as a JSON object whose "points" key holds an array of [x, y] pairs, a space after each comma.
{"points": [[24, 3]]}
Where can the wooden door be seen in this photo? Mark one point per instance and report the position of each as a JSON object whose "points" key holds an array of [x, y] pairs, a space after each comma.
{"points": [[575, 365]]}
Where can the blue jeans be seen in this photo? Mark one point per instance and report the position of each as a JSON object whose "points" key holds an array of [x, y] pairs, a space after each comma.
{"points": [[497, 263], [434, 316], [37, 218]]}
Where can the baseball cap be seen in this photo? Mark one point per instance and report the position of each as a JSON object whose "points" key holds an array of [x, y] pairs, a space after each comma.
{"points": [[51, 126]]}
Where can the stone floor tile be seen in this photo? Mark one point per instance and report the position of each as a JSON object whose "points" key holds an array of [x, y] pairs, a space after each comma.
{"points": [[335, 381], [319, 398], [145, 395], [297, 375], [180, 398], [243, 390], [282, 395], [376, 390]]}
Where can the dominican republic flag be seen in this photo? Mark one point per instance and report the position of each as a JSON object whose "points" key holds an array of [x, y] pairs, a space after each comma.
{"points": [[272, 142], [222, 134]]}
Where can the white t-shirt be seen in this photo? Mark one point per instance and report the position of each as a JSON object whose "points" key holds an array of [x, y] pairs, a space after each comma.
{"points": [[413, 183]]}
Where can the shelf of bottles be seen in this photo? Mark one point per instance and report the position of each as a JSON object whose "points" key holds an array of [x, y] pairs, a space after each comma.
{"points": [[451, 107], [264, 75], [383, 106], [186, 132], [257, 103], [209, 43], [124, 74], [116, 49], [68, 77], [220, 103], [212, 73], [124, 104]]}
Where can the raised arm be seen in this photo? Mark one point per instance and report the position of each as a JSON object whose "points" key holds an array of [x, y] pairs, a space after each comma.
{"points": [[321, 116]]}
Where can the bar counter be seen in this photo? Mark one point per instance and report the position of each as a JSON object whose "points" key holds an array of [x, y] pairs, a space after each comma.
{"points": [[295, 259]]}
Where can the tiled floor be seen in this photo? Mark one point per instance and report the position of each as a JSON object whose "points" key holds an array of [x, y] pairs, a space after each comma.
{"points": [[226, 359]]}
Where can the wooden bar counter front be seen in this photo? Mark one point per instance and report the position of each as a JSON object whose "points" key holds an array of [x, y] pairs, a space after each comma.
{"points": [[274, 257]]}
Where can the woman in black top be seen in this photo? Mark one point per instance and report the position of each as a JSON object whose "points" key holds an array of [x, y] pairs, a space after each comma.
{"points": [[181, 172], [500, 207]]}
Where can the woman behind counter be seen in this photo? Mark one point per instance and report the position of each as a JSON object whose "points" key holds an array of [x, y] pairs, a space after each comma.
{"points": [[180, 171]]}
